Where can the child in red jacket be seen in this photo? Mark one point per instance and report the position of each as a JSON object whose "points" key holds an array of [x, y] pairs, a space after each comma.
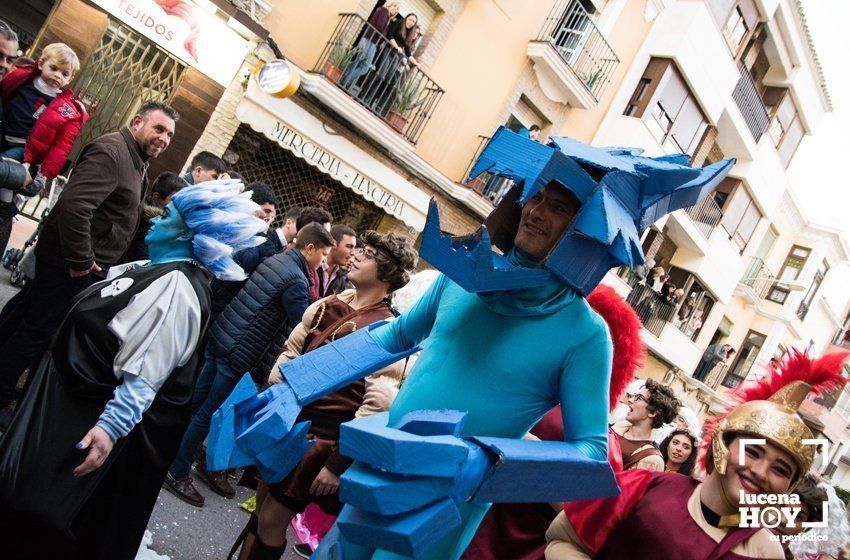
{"points": [[41, 117]]}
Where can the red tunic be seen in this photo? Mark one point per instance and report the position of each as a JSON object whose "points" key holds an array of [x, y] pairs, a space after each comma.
{"points": [[650, 520]]}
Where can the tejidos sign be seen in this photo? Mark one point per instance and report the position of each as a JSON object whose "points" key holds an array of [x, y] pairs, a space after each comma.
{"points": [[187, 31]]}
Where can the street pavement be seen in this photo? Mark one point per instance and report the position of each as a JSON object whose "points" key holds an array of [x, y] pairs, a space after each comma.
{"points": [[184, 532], [181, 531]]}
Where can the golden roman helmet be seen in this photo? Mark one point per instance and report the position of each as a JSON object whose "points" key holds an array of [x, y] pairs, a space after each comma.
{"points": [[768, 408], [775, 420]]}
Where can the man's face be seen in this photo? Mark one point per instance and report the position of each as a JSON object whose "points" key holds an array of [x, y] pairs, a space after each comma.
{"points": [[289, 229], [315, 256], [364, 267], [639, 407], [767, 469], [153, 132], [266, 212], [8, 54], [202, 174], [342, 254], [544, 220]]}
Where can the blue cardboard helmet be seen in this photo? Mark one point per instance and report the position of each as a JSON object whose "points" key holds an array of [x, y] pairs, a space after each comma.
{"points": [[621, 194]]}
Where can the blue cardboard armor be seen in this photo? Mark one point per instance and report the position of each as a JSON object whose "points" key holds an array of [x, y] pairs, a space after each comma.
{"points": [[621, 194], [410, 481]]}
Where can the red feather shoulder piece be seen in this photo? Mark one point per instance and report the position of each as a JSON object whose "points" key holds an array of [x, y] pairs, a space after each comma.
{"points": [[624, 326]]}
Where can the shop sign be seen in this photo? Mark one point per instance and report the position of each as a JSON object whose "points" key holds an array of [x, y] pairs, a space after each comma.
{"points": [[309, 138], [188, 29], [314, 154]]}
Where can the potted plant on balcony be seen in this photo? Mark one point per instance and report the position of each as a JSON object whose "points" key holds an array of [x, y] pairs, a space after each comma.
{"points": [[403, 101], [338, 58]]}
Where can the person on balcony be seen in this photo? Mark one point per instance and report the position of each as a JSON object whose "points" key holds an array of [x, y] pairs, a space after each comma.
{"points": [[532, 133], [374, 35], [713, 355], [694, 324], [656, 278], [384, 87]]}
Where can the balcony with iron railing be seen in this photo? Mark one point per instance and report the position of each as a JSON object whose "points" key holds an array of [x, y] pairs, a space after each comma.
{"points": [[758, 278], [365, 65], [653, 309], [749, 101], [706, 215], [572, 53], [842, 338]]}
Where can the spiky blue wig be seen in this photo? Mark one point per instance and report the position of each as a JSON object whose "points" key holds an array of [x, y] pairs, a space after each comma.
{"points": [[222, 222]]}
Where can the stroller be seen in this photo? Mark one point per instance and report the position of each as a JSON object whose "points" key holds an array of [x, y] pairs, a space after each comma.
{"points": [[22, 261]]}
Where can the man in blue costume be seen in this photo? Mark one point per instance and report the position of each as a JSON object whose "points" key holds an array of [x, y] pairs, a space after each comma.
{"points": [[507, 336]]}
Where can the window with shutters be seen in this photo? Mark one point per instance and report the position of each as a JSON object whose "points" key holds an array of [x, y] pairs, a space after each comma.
{"points": [[740, 213], [785, 128], [738, 20], [794, 263], [806, 304], [736, 28], [664, 101], [746, 359]]}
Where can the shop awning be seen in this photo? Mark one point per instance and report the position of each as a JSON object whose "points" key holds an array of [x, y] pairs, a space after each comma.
{"points": [[305, 136]]}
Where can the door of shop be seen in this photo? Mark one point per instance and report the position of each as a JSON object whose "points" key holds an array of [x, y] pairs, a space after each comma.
{"points": [[123, 73], [296, 183]]}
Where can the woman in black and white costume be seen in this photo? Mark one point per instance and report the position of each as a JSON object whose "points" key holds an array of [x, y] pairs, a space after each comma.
{"points": [[84, 458]]}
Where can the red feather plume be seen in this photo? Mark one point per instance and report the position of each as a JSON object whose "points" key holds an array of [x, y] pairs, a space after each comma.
{"points": [[824, 374], [624, 325]]}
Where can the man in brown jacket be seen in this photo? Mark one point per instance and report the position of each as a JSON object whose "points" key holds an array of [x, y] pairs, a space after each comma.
{"points": [[87, 231]]}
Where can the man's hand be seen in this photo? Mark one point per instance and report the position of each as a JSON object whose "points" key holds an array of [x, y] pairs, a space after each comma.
{"points": [[29, 179], [326, 483], [275, 376], [99, 444], [78, 273]]}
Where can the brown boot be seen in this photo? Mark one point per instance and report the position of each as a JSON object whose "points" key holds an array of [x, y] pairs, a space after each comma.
{"points": [[216, 480], [184, 489], [262, 551]]}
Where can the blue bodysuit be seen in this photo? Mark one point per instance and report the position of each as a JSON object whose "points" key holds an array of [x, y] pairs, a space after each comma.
{"points": [[506, 358]]}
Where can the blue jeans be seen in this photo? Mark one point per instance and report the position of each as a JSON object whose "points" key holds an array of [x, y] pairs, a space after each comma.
{"points": [[215, 383], [366, 50], [12, 151]]}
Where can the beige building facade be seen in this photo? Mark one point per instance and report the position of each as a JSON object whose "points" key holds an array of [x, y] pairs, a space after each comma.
{"points": [[718, 79]]}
